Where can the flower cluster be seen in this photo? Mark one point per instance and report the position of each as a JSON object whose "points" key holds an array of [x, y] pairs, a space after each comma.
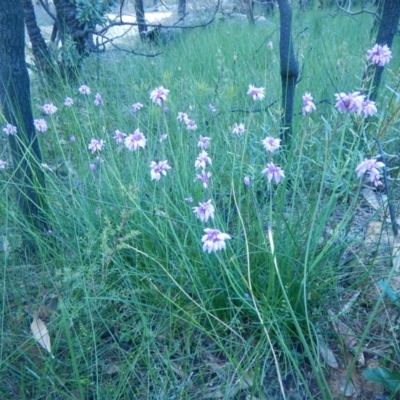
{"points": [[49, 109], [271, 171], [158, 169], [190, 124], [379, 55], [135, 140], [10, 129], [371, 166], [256, 93], [159, 95], [355, 103], [238, 129], [308, 104]]}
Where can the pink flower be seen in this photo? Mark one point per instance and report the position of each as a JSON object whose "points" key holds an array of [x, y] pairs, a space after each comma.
{"points": [[273, 172], [246, 181], [136, 107], [3, 164], [204, 142], [190, 125], [72, 139], [135, 140], [40, 125], [159, 95], [10, 129], [271, 144], [202, 160], [379, 55], [256, 93], [68, 102], [238, 129], [372, 167], [214, 240], [349, 103], [98, 100], [84, 89], [270, 45], [204, 178], [49, 109], [189, 199], [369, 108], [158, 169], [96, 145], [92, 167], [308, 104], [119, 136], [204, 211], [182, 117], [212, 108]]}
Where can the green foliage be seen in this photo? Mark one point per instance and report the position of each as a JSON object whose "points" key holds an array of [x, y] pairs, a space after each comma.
{"points": [[92, 12], [390, 380]]}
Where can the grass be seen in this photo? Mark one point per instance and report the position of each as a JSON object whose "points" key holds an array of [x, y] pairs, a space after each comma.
{"points": [[134, 307]]}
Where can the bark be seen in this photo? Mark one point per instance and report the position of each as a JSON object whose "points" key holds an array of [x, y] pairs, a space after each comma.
{"points": [[16, 107], [181, 8], [139, 9], [387, 31], [40, 50], [289, 69]]}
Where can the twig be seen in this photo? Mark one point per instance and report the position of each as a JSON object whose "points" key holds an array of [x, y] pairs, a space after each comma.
{"points": [[387, 190]]}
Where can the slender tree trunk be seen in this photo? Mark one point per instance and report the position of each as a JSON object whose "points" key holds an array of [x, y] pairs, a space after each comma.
{"points": [[289, 69], [140, 19], [247, 5], [387, 30], [16, 107], [39, 47], [181, 8]]}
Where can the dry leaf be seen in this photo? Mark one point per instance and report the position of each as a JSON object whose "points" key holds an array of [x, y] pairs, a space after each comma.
{"points": [[40, 333], [327, 354], [348, 390], [371, 198], [350, 303]]}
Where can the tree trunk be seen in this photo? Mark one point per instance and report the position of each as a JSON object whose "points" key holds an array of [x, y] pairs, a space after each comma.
{"points": [[387, 30], [39, 48], [139, 9], [181, 8], [247, 5], [16, 107], [289, 69]]}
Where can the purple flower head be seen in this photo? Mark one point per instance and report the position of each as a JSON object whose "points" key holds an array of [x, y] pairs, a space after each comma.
{"points": [[159, 95], [204, 211], [136, 107], [202, 160], [273, 172], [212, 108], [158, 169], [189, 199], [3, 164], [308, 104], [165, 110], [135, 140], [349, 103], [68, 102], [98, 100], [204, 142], [379, 55], [96, 145], [10, 129], [271, 144], [256, 93], [238, 129], [371, 166], [40, 125], [182, 117], [369, 108], [214, 240], [84, 90], [190, 125], [246, 181], [204, 178], [119, 136], [270, 45], [163, 138], [92, 167], [49, 109], [72, 139]]}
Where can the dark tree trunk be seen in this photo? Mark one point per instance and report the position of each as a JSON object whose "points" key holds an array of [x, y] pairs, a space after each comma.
{"points": [[139, 9], [247, 5], [16, 108], [387, 30], [39, 48], [181, 8], [289, 69]]}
